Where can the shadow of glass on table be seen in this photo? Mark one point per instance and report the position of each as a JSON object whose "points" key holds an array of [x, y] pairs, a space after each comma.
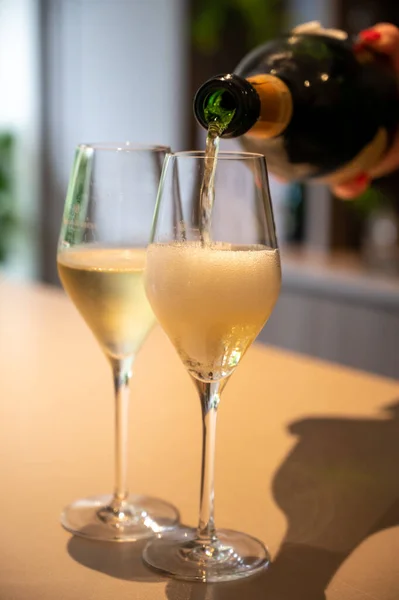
{"points": [[120, 560], [338, 486]]}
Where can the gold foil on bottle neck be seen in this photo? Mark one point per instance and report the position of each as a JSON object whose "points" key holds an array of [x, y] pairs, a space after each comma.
{"points": [[276, 106]]}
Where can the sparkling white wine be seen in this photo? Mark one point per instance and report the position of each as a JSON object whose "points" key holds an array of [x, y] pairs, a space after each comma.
{"points": [[207, 192], [219, 118], [212, 300], [107, 287]]}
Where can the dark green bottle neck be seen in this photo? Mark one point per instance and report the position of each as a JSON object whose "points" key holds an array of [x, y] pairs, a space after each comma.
{"points": [[230, 103]]}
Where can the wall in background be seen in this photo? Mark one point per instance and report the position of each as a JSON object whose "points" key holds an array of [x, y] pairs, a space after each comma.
{"points": [[20, 115], [112, 70]]}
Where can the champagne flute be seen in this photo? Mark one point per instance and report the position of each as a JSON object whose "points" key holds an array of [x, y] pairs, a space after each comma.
{"points": [[101, 257], [212, 277]]}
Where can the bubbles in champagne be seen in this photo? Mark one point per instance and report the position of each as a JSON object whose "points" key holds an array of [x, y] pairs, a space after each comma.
{"points": [[212, 300]]}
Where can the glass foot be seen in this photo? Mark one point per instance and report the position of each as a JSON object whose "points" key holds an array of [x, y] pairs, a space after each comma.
{"points": [[139, 517], [232, 555]]}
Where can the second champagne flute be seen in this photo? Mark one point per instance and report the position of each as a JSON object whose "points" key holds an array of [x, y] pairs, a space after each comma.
{"points": [[101, 258]]}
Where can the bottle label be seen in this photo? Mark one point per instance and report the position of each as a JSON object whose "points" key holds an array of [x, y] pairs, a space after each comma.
{"points": [[363, 162], [279, 164], [276, 106]]}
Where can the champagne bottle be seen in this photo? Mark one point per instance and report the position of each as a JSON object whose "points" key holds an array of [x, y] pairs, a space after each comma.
{"points": [[309, 103]]}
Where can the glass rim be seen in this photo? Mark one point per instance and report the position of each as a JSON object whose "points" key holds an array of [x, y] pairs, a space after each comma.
{"points": [[222, 155], [124, 147]]}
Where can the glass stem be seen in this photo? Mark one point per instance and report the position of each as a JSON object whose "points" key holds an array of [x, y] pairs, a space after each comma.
{"points": [[209, 396], [122, 372]]}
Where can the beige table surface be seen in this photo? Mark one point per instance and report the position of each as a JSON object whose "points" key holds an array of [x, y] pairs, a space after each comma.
{"points": [[307, 460]]}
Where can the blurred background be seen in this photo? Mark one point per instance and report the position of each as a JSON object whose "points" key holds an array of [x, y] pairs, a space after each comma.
{"points": [[112, 70]]}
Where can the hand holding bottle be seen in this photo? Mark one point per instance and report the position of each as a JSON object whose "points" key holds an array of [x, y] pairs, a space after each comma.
{"points": [[383, 38], [320, 105]]}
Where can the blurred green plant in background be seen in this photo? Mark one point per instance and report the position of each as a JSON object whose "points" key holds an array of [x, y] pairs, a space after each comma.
{"points": [[7, 197], [261, 21], [370, 201]]}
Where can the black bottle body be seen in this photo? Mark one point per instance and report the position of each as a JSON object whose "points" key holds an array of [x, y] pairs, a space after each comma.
{"points": [[345, 106]]}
